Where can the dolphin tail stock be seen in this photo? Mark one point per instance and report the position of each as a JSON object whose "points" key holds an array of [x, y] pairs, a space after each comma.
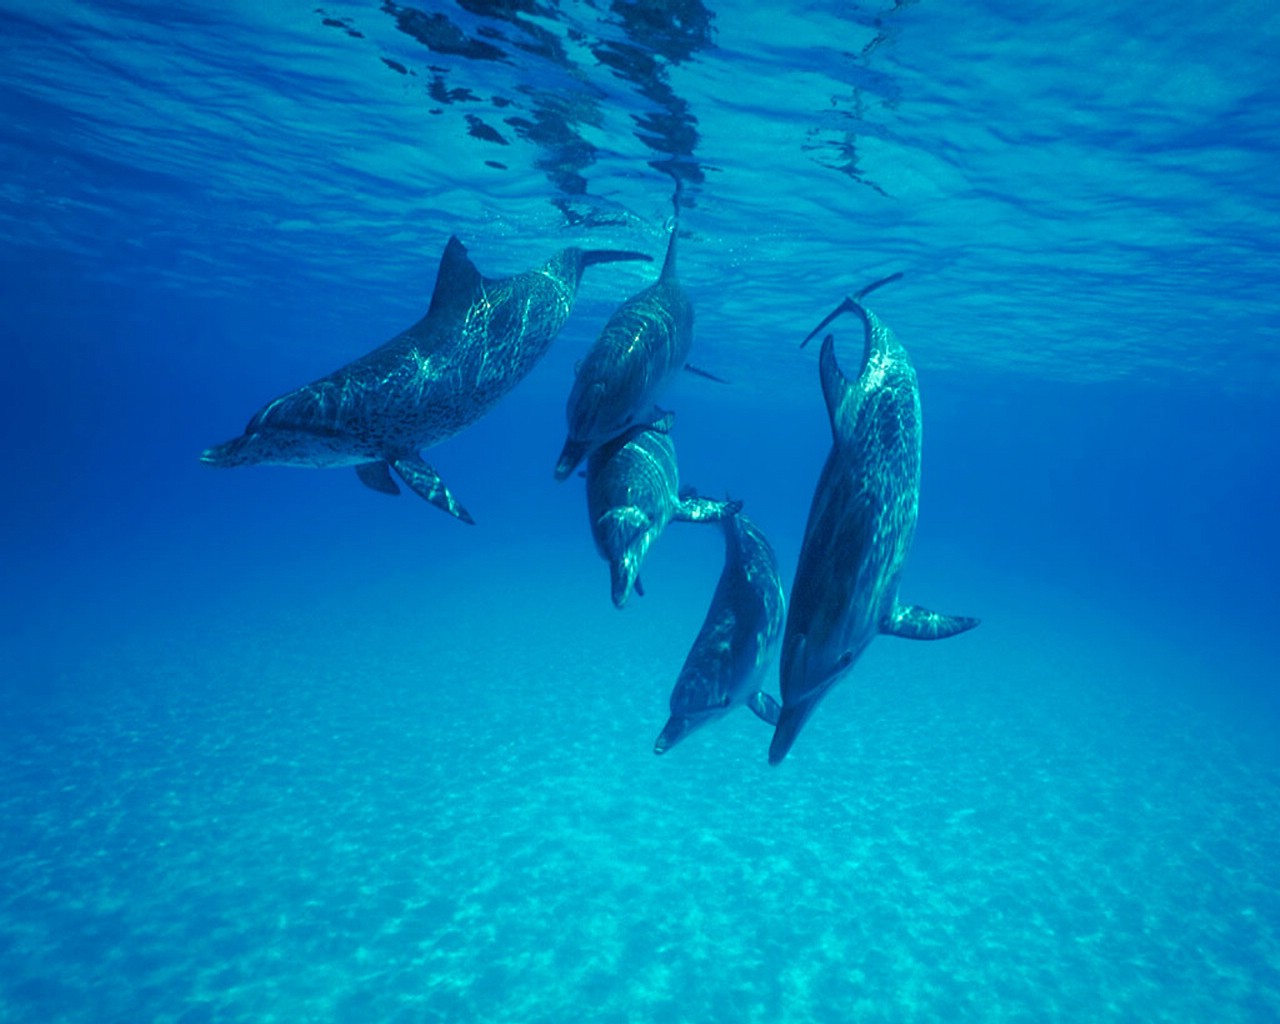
{"points": [[916, 623], [425, 482], [850, 305], [377, 477], [765, 707]]}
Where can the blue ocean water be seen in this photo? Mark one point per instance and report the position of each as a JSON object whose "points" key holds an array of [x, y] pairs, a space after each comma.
{"points": [[274, 747]]}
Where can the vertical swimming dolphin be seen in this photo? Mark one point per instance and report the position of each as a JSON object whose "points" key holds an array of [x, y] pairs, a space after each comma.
{"points": [[860, 527], [642, 347], [632, 493], [737, 638], [480, 337]]}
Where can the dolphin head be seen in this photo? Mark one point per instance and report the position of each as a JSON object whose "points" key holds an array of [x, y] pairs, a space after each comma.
{"points": [[622, 535], [239, 451], [584, 413], [808, 673], [599, 410], [689, 719]]}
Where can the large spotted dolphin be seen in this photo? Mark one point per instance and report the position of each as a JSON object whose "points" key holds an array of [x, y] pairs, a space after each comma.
{"points": [[644, 344], [860, 527], [633, 492], [737, 638], [480, 337]]}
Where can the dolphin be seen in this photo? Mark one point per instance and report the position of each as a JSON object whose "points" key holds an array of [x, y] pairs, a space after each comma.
{"points": [[632, 493], [736, 641], [481, 336], [643, 346], [860, 527]]}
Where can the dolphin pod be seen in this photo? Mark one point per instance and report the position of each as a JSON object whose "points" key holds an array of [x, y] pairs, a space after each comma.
{"points": [[633, 492], [480, 337], [860, 527], [737, 638]]}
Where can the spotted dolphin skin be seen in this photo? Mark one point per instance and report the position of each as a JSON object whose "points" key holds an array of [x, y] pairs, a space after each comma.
{"points": [[632, 494], [860, 526], [480, 337], [736, 641], [642, 347]]}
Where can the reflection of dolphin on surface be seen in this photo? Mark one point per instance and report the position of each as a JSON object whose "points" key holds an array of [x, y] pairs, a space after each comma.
{"points": [[480, 337], [642, 347], [860, 526], [632, 493], [737, 638]]}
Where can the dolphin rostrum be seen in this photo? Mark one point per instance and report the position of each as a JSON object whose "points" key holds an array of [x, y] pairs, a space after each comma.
{"points": [[860, 526], [481, 336], [632, 493], [642, 347], [736, 641]]}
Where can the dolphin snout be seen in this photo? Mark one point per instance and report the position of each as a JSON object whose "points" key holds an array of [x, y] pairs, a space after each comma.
{"points": [[572, 454], [673, 732], [228, 454]]}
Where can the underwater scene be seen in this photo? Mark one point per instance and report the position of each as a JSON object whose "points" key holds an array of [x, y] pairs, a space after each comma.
{"points": [[459, 457]]}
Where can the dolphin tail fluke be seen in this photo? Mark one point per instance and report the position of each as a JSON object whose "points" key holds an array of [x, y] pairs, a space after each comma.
{"points": [[704, 510], [916, 623], [850, 305], [590, 257], [377, 477], [426, 483], [765, 707]]}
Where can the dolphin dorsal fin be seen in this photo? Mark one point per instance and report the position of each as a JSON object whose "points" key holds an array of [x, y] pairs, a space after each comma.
{"points": [[457, 280]]}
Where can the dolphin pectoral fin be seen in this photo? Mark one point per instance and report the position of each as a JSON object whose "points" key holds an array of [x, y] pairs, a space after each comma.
{"points": [[916, 623], [703, 373], [704, 510], [377, 477], [765, 707], [426, 483]]}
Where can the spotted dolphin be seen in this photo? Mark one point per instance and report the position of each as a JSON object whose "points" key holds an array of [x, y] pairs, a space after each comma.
{"points": [[643, 346], [737, 638], [632, 494], [860, 527], [480, 337]]}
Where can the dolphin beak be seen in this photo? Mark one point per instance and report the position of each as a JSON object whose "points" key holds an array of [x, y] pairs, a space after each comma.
{"points": [[570, 456], [622, 574], [673, 732], [791, 720], [230, 453]]}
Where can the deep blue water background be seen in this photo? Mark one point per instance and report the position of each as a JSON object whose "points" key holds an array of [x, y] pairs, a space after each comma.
{"points": [[274, 747]]}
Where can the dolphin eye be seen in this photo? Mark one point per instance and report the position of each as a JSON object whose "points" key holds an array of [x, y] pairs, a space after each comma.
{"points": [[845, 661]]}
